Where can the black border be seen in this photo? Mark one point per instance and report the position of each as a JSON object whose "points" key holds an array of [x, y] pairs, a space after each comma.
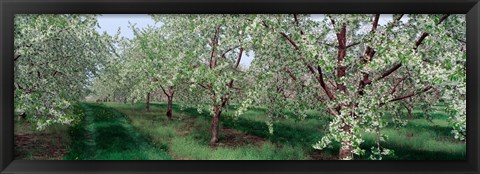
{"points": [[10, 7]]}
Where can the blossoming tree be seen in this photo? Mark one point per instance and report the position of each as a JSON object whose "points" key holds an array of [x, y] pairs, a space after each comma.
{"points": [[343, 64], [55, 56]]}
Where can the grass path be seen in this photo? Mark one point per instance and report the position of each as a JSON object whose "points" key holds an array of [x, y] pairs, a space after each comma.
{"points": [[105, 134]]}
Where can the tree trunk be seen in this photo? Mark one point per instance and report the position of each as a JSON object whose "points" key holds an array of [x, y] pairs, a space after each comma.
{"points": [[125, 100], [345, 151], [409, 113], [169, 107], [147, 107], [215, 125], [346, 147]]}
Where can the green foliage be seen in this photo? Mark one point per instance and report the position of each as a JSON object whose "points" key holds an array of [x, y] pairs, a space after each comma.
{"points": [[54, 57]]}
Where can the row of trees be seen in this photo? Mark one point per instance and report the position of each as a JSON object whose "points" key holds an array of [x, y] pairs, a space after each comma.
{"points": [[346, 65]]}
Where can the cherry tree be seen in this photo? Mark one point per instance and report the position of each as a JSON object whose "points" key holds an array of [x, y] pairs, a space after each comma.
{"points": [[213, 46], [162, 63], [342, 63], [55, 56]]}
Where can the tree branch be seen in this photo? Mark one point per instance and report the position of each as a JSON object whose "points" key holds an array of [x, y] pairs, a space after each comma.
{"points": [[298, 23], [290, 40], [408, 95], [165, 92], [203, 86], [322, 83], [352, 44], [332, 21], [290, 74], [425, 34], [396, 84], [375, 23], [442, 19], [420, 40], [389, 71], [214, 53], [332, 111], [400, 17], [239, 58], [411, 94]]}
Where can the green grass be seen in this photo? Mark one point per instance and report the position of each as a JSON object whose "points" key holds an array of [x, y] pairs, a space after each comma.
{"points": [[105, 134], [117, 131], [422, 140], [187, 136]]}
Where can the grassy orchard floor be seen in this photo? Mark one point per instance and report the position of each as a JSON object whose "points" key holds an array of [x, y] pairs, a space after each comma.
{"points": [[187, 136], [120, 131]]}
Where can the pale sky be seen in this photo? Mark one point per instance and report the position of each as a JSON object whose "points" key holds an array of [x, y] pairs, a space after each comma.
{"points": [[111, 22]]}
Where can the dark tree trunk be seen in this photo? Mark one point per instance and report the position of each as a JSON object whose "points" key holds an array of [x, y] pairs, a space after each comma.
{"points": [[147, 107], [169, 107], [409, 113], [215, 125], [125, 100], [169, 95]]}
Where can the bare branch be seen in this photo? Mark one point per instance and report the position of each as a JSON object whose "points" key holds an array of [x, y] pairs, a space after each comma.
{"points": [[425, 34], [322, 83], [411, 94], [290, 40], [389, 71], [165, 92], [400, 17], [332, 21], [239, 58], [420, 40], [352, 44], [442, 19], [298, 23], [396, 84]]}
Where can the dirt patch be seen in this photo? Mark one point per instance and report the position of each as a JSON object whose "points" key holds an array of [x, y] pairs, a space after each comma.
{"points": [[187, 126], [178, 157], [319, 155], [33, 145], [234, 138]]}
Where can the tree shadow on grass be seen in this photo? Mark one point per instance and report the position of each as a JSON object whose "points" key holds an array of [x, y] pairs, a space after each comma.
{"points": [[106, 134]]}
